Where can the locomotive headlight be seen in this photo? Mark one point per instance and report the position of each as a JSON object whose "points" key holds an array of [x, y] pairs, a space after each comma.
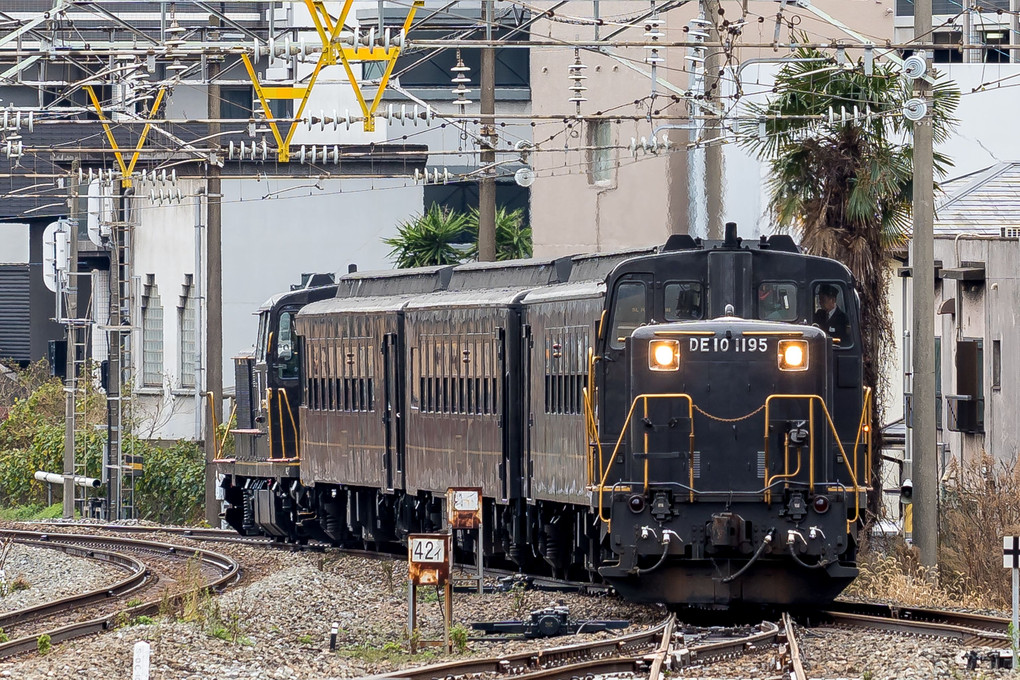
{"points": [[793, 355], [664, 355]]}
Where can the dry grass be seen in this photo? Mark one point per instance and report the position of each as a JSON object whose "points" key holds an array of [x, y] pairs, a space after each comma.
{"points": [[979, 505]]}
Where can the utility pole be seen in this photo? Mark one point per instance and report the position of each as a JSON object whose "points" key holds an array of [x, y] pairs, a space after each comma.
{"points": [[925, 466], [70, 368], [713, 148], [487, 158], [113, 462], [214, 295]]}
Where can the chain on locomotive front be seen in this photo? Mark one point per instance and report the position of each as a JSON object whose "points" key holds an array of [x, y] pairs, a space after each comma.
{"points": [[730, 443]]}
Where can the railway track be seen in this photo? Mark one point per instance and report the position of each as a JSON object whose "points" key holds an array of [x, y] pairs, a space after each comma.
{"points": [[622, 654], [230, 536], [220, 570], [968, 629]]}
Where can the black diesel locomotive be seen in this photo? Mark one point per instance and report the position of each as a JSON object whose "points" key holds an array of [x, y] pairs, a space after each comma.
{"points": [[687, 423]]}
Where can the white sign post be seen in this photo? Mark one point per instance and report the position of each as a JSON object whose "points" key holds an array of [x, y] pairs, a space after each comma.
{"points": [[1011, 560]]}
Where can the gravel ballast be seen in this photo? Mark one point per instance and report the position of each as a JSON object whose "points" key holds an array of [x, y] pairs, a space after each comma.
{"points": [[275, 625]]}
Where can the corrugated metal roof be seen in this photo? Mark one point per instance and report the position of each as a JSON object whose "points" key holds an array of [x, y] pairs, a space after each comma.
{"points": [[565, 291], [981, 202]]}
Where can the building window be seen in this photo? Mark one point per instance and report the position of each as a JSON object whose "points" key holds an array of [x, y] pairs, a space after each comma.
{"points": [[152, 335], [186, 325], [993, 54], [600, 153], [948, 51], [236, 102], [996, 364]]}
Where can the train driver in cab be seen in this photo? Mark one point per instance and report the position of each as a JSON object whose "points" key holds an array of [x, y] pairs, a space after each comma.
{"points": [[829, 317]]}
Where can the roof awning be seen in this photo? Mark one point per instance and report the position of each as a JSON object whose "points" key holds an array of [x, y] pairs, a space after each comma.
{"points": [[972, 272]]}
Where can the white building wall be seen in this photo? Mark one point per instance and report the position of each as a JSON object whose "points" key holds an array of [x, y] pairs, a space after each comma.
{"points": [[164, 246]]}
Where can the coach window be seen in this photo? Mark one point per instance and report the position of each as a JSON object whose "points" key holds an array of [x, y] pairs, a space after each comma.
{"points": [[777, 301], [830, 313], [683, 301], [629, 311]]}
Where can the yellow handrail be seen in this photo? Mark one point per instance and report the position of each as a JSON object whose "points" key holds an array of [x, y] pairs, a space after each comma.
{"points": [[269, 417], [589, 410], [226, 431], [786, 468], [211, 400], [832, 427], [623, 432], [279, 409], [290, 412]]}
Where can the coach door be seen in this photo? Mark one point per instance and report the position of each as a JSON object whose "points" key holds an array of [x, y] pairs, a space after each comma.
{"points": [[392, 456], [528, 416]]}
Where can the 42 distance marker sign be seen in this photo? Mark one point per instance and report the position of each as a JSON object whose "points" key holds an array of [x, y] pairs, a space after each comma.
{"points": [[427, 549], [428, 559]]}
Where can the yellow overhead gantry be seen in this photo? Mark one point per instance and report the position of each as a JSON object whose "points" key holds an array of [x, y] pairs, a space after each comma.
{"points": [[333, 52]]}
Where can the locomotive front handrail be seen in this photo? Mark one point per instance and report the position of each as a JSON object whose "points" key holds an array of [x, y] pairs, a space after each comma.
{"points": [[279, 410], [218, 445], [786, 474], [293, 424], [269, 417], [623, 431], [832, 426]]}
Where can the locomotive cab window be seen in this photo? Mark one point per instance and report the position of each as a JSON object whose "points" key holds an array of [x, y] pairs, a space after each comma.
{"points": [[830, 313], [263, 337], [287, 359], [629, 311], [683, 301], [777, 301]]}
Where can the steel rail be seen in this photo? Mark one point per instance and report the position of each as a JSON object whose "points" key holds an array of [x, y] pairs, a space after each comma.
{"points": [[547, 663], [796, 661], [723, 649], [991, 623], [138, 576], [231, 536], [963, 634], [227, 567]]}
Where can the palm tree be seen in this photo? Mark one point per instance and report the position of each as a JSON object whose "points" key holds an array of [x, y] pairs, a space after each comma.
{"points": [[513, 238], [846, 187], [429, 239]]}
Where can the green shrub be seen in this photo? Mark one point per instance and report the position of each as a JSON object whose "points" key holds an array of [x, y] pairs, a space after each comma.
{"points": [[44, 644], [459, 638], [172, 486]]}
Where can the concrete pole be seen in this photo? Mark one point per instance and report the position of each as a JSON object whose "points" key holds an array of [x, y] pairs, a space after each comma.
{"points": [[713, 149], [923, 332], [487, 185], [71, 312], [113, 386], [214, 298]]}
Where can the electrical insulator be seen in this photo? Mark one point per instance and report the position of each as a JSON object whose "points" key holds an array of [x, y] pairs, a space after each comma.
{"points": [[460, 79], [577, 88]]}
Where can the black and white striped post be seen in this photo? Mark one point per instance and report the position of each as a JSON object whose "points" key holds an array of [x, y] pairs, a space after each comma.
{"points": [[1011, 560]]}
